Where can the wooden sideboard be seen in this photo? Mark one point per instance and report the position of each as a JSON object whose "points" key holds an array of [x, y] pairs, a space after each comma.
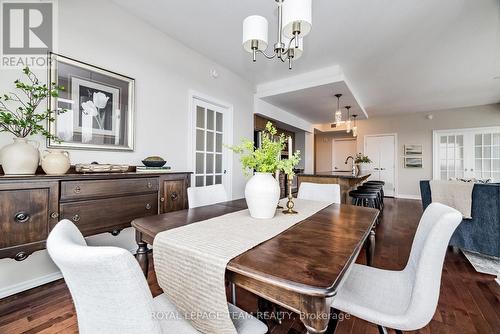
{"points": [[30, 206]]}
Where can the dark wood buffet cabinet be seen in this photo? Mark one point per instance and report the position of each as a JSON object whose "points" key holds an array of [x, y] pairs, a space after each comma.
{"points": [[30, 206]]}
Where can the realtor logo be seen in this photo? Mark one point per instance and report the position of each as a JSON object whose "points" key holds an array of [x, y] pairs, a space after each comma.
{"points": [[27, 32]]}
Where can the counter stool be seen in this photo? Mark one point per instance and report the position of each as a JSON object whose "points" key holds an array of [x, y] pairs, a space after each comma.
{"points": [[377, 182], [379, 188], [367, 198]]}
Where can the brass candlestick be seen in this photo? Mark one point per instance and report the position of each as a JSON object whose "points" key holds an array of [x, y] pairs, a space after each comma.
{"points": [[290, 204]]}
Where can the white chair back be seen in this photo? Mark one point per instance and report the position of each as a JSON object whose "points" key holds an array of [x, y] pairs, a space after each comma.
{"points": [[201, 196], [108, 288], [425, 263], [319, 192]]}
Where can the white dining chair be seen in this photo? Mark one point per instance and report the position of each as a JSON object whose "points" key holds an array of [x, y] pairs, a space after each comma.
{"points": [[201, 196], [111, 294], [319, 192], [407, 299]]}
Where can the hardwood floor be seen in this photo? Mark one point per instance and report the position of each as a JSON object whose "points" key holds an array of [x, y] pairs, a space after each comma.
{"points": [[469, 301]]}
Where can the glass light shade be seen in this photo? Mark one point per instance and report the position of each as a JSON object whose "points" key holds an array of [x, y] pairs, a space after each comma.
{"points": [[338, 117], [297, 11], [355, 131], [348, 126], [297, 52], [255, 28]]}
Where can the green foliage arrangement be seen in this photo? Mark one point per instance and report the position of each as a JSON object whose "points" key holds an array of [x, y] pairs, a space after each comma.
{"points": [[266, 158], [18, 115], [360, 158]]}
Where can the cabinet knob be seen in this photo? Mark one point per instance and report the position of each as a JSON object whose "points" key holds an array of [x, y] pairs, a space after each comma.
{"points": [[174, 196], [150, 185], [76, 218], [54, 215], [21, 256], [162, 199], [148, 206], [21, 217], [77, 189]]}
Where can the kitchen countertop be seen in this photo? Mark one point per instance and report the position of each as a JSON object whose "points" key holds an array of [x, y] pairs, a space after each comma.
{"points": [[337, 174]]}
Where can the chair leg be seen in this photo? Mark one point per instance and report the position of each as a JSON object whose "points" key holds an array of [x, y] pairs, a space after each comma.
{"points": [[382, 329]]}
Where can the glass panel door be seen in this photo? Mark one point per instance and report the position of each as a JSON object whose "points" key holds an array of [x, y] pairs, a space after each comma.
{"points": [[487, 156], [451, 156], [209, 166]]}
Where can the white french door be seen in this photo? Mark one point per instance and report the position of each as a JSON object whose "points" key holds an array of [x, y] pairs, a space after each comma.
{"points": [[381, 149], [467, 153], [212, 130]]}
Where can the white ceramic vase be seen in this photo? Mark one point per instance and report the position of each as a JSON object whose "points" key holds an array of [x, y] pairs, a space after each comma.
{"points": [[262, 193], [21, 157], [55, 162], [364, 167]]}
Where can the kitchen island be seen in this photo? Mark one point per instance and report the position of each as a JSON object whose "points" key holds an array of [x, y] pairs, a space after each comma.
{"points": [[346, 180]]}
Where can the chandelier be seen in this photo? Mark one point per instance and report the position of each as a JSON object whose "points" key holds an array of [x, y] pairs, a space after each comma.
{"points": [[294, 23]]}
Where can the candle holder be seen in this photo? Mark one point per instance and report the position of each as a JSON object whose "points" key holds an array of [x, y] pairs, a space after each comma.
{"points": [[290, 204]]}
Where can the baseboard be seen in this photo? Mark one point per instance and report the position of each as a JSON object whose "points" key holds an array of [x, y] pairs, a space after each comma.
{"points": [[404, 196], [26, 285]]}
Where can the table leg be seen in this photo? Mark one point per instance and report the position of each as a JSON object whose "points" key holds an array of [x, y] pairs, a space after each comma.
{"points": [[315, 314], [142, 254], [370, 248]]}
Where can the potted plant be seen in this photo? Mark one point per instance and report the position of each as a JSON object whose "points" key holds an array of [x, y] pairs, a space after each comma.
{"points": [[363, 163], [262, 191], [19, 116]]}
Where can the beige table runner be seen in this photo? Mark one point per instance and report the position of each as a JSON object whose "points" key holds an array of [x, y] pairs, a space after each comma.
{"points": [[190, 261]]}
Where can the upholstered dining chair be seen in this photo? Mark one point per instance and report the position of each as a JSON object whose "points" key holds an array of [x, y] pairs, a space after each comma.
{"points": [[111, 294], [201, 196], [407, 299], [319, 192]]}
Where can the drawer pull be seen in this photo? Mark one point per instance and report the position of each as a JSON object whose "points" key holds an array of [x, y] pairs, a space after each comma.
{"points": [[21, 217], [21, 256], [76, 218], [150, 185], [148, 206], [77, 190], [54, 215], [162, 199], [174, 196]]}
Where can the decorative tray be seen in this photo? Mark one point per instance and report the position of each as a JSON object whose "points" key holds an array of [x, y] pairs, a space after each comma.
{"points": [[98, 168]]}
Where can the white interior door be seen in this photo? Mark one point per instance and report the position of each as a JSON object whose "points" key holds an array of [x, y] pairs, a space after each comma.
{"points": [[341, 150], [381, 149], [211, 124]]}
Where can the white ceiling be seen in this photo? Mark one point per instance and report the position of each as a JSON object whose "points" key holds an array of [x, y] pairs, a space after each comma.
{"points": [[398, 55], [317, 104]]}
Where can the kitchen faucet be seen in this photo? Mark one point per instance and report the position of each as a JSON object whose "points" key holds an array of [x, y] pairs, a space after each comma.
{"points": [[353, 167]]}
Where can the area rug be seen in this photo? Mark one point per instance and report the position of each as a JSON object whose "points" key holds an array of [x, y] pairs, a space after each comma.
{"points": [[485, 264]]}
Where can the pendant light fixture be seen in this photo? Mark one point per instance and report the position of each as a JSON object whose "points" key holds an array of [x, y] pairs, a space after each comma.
{"points": [[348, 121], [338, 113], [294, 23], [354, 126]]}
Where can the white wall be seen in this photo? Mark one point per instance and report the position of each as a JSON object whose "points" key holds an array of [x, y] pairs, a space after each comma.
{"points": [[100, 33]]}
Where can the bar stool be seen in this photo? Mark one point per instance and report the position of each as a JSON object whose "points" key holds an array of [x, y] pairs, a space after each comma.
{"points": [[377, 182], [379, 188], [367, 198]]}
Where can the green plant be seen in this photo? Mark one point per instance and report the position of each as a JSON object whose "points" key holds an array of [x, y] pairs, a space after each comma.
{"points": [[288, 165], [360, 158], [264, 159], [18, 115]]}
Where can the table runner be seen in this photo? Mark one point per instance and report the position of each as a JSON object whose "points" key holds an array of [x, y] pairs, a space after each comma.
{"points": [[190, 261]]}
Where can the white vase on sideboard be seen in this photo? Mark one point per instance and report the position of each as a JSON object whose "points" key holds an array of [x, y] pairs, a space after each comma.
{"points": [[262, 193], [21, 157], [55, 162]]}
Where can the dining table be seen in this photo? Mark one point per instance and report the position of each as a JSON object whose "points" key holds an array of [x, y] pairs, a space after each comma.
{"points": [[299, 269]]}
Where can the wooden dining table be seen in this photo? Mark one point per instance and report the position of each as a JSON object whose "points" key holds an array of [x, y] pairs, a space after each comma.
{"points": [[299, 269]]}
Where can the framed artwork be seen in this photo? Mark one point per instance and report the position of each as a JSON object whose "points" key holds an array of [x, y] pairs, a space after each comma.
{"points": [[413, 150], [98, 104], [414, 162]]}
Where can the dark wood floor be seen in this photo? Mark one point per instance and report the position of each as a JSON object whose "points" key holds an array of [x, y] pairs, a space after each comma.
{"points": [[469, 301]]}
